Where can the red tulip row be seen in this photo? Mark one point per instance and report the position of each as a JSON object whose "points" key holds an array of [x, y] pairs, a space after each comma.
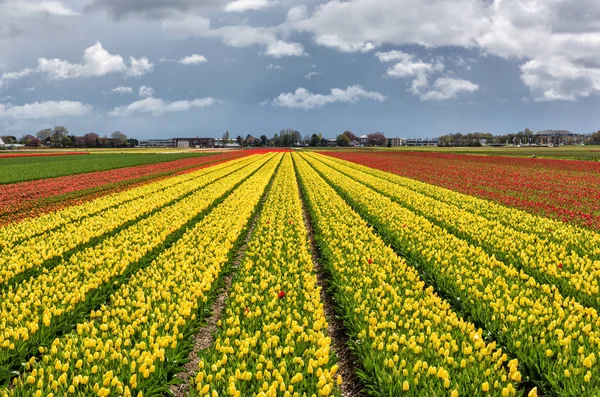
{"points": [[555, 338], [133, 343], [561, 189], [27, 199]]}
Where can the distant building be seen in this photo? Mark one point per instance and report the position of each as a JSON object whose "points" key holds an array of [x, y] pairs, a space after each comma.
{"points": [[559, 137], [422, 142], [363, 140], [193, 142], [2, 143], [396, 142], [156, 143]]}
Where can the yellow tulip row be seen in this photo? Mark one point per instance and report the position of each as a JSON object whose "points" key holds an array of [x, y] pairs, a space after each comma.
{"points": [[33, 252], [15, 233], [408, 340], [548, 262], [272, 340], [581, 240], [554, 337], [133, 345], [33, 311]]}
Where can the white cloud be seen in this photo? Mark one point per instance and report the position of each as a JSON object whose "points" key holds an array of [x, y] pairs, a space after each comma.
{"points": [[122, 90], [29, 8], [239, 36], [186, 25], [446, 88], [408, 66], [274, 67], [41, 110], [157, 106], [96, 61], [304, 99], [193, 59], [16, 75], [139, 67], [310, 75], [145, 91], [248, 5], [558, 41]]}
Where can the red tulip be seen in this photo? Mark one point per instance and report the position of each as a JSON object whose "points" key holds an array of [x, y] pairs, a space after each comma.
{"points": [[246, 310], [560, 265], [281, 294], [370, 261]]}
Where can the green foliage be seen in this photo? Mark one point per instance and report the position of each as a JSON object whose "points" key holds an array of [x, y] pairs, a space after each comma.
{"points": [[28, 168]]}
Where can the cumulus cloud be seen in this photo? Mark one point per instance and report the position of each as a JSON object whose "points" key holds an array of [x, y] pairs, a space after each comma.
{"points": [[139, 67], [239, 36], [409, 66], [304, 99], [565, 67], [96, 61], [145, 91], [43, 7], [310, 75], [157, 106], [122, 90], [193, 59], [446, 88], [249, 5], [155, 9], [41, 110]]}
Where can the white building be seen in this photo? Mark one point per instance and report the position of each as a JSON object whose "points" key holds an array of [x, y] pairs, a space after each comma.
{"points": [[2, 143]]}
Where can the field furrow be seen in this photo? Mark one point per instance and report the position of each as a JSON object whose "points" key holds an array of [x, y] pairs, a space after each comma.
{"points": [[408, 340], [555, 338], [273, 336], [136, 342], [547, 261], [34, 252], [16, 233], [34, 311], [573, 238]]}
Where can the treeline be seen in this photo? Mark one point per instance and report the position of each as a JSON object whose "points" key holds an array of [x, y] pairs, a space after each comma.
{"points": [[59, 137]]}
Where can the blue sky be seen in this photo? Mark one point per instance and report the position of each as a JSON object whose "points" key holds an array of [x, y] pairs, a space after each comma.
{"points": [[166, 68]]}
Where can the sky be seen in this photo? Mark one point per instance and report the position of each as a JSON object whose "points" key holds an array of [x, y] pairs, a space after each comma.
{"points": [[407, 68]]}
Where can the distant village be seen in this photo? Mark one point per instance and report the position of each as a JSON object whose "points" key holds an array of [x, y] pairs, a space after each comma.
{"points": [[59, 137]]}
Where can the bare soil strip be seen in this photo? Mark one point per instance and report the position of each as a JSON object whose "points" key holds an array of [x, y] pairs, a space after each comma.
{"points": [[204, 339], [351, 386]]}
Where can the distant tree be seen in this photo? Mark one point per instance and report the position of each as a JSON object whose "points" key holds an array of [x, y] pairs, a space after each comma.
{"points": [[44, 135], [595, 138], [323, 142], [118, 138], [104, 141], [225, 138], [263, 140], [59, 137], [343, 140], [376, 139], [79, 141], [90, 139], [314, 140], [306, 140], [30, 141], [239, 140], [131, 142], [350, 136], [9, 139]]}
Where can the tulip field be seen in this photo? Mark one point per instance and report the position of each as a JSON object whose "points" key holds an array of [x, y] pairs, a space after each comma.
{"points": [[322, 274]]}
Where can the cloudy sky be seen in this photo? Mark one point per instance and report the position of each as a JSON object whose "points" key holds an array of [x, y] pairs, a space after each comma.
{"points": [[409, 68]]}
